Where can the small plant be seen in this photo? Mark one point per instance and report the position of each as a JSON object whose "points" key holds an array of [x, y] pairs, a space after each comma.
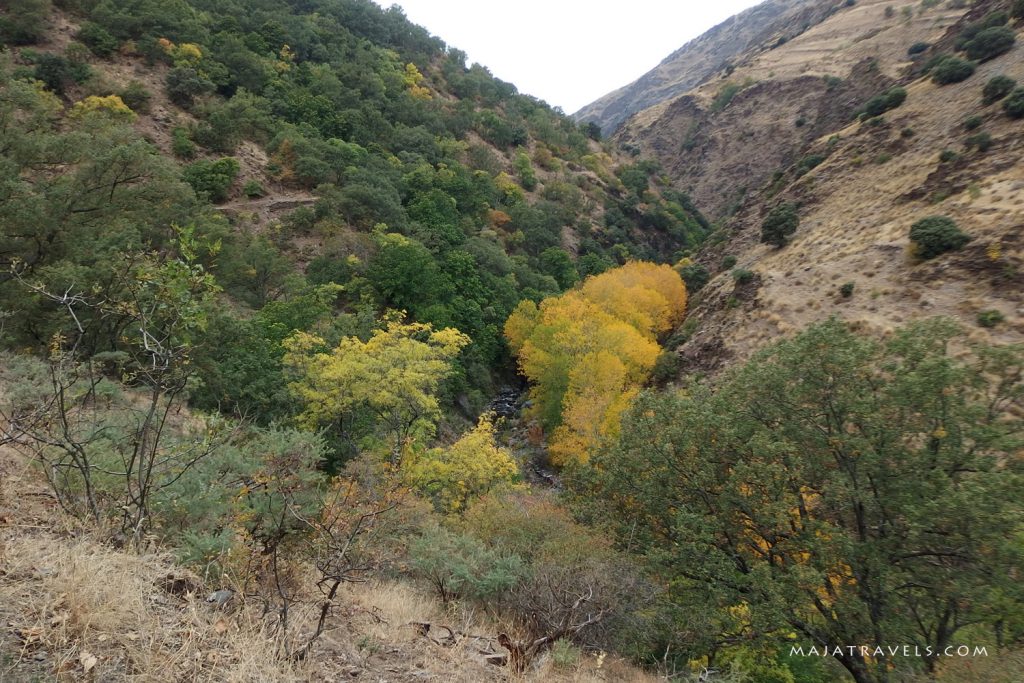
{"points": [[742, 276], [990, 318], [253, 190], [907, 133], [936, 235], [973, 122], [182, 145], [918, 48], [728, 262], [847, 290], [981, 141], [997, 88], [137, 97], [883, 158], [808, 163], [950, 69], [565, 655], [1013, 105], [779, 224], [948, 155]]}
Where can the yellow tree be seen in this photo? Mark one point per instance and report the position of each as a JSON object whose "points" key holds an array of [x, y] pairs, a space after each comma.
{"points": [[467, 469], [587, 351], [392, 379]]}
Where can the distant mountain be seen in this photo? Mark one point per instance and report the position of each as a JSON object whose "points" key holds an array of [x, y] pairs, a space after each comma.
{"points": [[701, 58]]}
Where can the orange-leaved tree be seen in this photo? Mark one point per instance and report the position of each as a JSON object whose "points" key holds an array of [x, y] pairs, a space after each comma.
{"points": [[587, 352]]}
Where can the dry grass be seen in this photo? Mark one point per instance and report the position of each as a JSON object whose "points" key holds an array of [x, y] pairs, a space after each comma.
{"points": [[75, 609]]}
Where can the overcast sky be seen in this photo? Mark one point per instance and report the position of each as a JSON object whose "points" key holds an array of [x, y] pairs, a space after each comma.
{"points": [[568, 52]]}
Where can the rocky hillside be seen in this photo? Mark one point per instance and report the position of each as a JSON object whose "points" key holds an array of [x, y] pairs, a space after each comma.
{"points": [[782, 128], [702, 58]]}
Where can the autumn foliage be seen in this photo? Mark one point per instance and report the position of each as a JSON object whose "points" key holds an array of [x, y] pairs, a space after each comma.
{"points": [[588, 351]]}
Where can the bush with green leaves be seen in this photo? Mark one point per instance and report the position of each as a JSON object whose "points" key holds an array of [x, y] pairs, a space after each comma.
{"points": [[879, 104], [991, 42], [23, 21], [1013, 105], [780, 223], [184, 84], [695, 276], [950, 69], [457, 565], [936, 235], [981, 141], [212, 179], [742, 276], [728, 261], [948, 155], [990, 318], [918, 48], [1017, 9], [846, 290], [997, 88], [137, 97], [973, 122], [182, 145]]}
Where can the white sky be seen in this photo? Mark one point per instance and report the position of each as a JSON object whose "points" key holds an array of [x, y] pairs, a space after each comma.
{"points": [[568, 52]]}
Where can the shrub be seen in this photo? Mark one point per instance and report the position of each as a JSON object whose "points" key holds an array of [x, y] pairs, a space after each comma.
{"points": [[137, 97], [947, 155], [997, 88], [695, 276], [253, 190], [990, 43], [725, 96], [728, 262], [742, 276], [182, 145], [879, 104], [58, 72], [565, 655], [808, 163], [981, 141], [781, 222], [936, 235], [917, 48], [23, 21], [184, 84], [907, 132], [1017, 9], [847, 290], [1013, 105], [666, 368], [98, 39], [212, 179], [952, 69], [973, 122], [990, 318]]}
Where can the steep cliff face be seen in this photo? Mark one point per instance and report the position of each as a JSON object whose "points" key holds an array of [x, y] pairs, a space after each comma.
{"points": [[701, 58]]}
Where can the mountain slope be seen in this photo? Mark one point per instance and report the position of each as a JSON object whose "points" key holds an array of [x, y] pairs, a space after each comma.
{"points": [[790, 137], [700, 59]]}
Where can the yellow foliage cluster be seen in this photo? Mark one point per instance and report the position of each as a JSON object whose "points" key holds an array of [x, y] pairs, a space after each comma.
{"points": [[467, 469], [394, 375], [588, 351], [111, 106], [186, 53], [413, 80]]}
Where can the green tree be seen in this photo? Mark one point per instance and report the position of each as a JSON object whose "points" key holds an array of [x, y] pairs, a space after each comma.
{"points": [[780, 223], [846, 489], [936, 235], [212, 179]]}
